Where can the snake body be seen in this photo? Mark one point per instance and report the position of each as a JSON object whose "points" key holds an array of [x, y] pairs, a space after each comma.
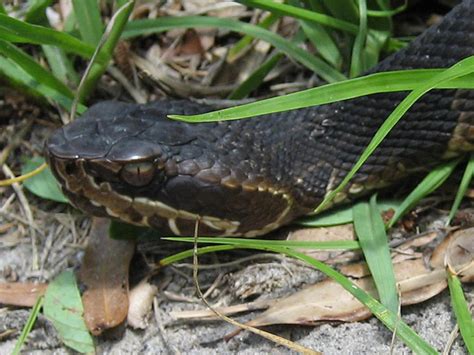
{"points": [[248, 177]]}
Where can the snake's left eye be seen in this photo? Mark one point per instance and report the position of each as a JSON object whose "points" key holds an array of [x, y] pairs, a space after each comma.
{"points": [[138, 174]]}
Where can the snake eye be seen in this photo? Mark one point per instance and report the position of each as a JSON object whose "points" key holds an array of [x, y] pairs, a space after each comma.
{"points": [[138, 174]]}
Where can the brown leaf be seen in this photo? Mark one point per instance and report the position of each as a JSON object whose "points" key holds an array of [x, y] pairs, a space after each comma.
{"points": [[411, 249], [328, 301], [190, 44], [104, 273], [356, 271], [21, 294], [333, 233], [460, 254]]}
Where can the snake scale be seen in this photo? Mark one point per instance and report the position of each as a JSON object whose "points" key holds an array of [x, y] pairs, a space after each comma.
{"points": [[248, 177]]}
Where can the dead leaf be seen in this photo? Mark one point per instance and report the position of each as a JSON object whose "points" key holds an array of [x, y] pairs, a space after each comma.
{"points": [[322, 234], [464, 217], [104, 273], [190, 44], [460, 254], [356, 271], [458, 248], [411, 248], [328, 301], [21, 294]]}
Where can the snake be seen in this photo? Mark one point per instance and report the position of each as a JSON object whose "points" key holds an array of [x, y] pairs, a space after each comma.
{"points": [[247, 177]]}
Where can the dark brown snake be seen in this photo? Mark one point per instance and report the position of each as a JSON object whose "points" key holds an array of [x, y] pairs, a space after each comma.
{"points": [[251, 176]]}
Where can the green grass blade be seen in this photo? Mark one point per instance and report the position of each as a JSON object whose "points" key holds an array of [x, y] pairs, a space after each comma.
{"points": [[463, 67], [462, 312], [111, 37], [302, 14], [463, 186], [30, 66], [357, 59], [370, 231], [256, 78], [27, 83], [323, 42], [189, 253], [88, 20], [246, 40], [341, 215], [371, 84], [13, 30], [429, 184], [321, 37], [2, 9], [388, 318], [388, 13], [36, 12], [60, 64], [28, 326], [318, 66], [343, 9], [329, 245]]}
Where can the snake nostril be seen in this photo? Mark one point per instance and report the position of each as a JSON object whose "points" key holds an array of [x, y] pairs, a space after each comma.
{"points": [[70, 168]]}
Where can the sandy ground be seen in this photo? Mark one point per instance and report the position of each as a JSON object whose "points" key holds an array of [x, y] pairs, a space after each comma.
{"points": [[267, 278]]}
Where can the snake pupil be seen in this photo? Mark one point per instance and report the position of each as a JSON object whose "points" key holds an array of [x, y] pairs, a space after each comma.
{"points": [[138, 174]]}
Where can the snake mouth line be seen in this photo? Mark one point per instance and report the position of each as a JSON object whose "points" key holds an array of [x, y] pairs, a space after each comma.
{"points": [[99, 197]]}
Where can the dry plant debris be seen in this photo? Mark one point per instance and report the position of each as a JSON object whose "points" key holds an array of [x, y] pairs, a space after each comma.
{"points": [[104, 275]]}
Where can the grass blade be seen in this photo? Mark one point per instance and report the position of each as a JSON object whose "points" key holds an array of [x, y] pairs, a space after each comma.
{"points": [[463, 186], [370, 231], [430, 183], [388, 318], [37, 11], [302, 14], [13, 30], [189, 253], [341, 215], [343, 9], [60, 64], [323, 42], [255, 79], [111, 36], [367, 85], [462, 312], [246, 40], [318, 66], [26, 82], [388, 13], [329, 245], [30, 66], [28, 325], [463, 67], [88, 20], [357, 59]]}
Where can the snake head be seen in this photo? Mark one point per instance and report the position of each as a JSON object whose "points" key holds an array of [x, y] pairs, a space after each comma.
{"points": [[131, 163]]}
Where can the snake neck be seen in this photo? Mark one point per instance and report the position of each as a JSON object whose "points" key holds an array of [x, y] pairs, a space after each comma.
{"points": [[327, 141]]}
